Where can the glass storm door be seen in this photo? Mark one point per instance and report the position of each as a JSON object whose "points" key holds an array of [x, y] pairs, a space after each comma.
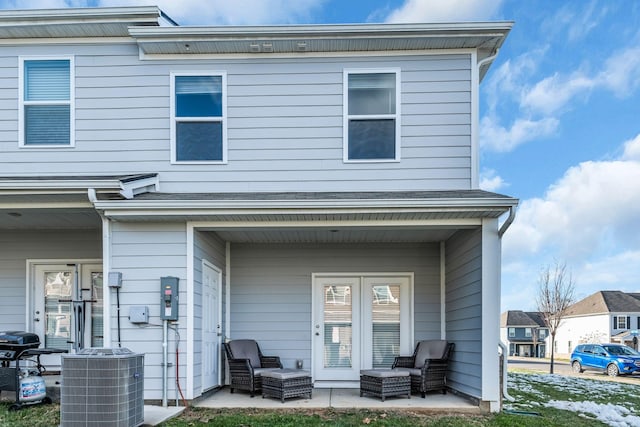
{"points": [[360, 322], [67, 307]]}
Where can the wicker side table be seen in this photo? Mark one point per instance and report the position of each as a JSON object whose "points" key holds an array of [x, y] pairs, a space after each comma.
{"points": [[285, 383], [385, 382]]}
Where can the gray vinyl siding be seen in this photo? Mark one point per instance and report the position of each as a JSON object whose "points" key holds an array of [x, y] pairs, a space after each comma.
{"points": [[145, 252], [18, 247], [210, 247], [271, 288], [463, 301], [285, 122]]}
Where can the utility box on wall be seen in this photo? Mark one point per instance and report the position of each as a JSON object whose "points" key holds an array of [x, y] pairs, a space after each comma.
{"points": [[169, 298]]}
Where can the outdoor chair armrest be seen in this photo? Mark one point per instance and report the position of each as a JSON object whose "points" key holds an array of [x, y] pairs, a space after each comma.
{"points": [[403, 362], [240, 365], [270, 362], [435, 363]]}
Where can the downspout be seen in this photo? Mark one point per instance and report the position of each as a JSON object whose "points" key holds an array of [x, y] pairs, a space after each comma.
{"points": [[504, 370], [487, 59], [106, 266], [507, 223]]}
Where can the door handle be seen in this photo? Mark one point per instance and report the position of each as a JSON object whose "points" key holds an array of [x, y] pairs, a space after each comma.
{"points": [[318, 334], [36, 319]]}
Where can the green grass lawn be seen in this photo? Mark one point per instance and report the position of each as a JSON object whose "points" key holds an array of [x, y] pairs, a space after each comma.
{"points": [[541, 400]]}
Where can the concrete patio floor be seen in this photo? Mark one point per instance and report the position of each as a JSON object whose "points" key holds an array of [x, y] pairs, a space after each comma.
{"points": [[341, 398]]}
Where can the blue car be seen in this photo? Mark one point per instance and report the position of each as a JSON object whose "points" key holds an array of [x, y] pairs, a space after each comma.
{"points": [[614, 359]]}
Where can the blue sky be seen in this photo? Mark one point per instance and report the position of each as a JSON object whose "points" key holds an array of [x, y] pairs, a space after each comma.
{"points": [[560, 127]]}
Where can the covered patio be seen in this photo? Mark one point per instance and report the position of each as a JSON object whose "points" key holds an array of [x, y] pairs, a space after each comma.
{"points": [[341, 398]]}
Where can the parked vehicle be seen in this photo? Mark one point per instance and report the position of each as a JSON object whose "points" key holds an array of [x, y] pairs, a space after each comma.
{"points": [[614, 359]]}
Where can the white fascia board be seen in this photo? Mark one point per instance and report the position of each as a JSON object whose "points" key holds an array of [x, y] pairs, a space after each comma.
{"points": [[455, 29], [55, 184], [149, 14], [326, 205]]}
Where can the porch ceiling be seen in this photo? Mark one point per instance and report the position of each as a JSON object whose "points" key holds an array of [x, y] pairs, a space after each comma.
{"points": [[334, 235], [49, 218]]}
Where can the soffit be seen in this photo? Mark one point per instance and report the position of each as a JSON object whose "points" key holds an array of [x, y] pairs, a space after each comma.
{"points": [[75, 22]]}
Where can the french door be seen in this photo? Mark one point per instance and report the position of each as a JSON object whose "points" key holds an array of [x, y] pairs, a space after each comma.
{"points": [[67, 311], [359, 322]]}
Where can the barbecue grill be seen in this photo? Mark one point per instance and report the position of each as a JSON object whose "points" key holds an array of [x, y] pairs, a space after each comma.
{"points": [[27, 382]]}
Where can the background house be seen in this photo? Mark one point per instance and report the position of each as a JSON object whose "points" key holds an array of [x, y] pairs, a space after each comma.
{"points": [[605, 316], [524, 333], [315, 188]]}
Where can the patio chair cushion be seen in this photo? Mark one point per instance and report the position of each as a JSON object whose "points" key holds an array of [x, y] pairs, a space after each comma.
{"points": [[410, 371], [246, 349], [262, 371], [430, 349]]}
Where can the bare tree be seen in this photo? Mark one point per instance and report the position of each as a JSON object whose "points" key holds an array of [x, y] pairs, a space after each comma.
{"points": [[555, 294]]}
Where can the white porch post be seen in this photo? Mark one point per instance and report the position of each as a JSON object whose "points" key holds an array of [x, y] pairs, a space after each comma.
{"points": [[491, 253]]}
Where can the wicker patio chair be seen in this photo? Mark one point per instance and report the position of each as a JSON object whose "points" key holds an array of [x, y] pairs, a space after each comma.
{"points": [[427, 366], [246, 363]]}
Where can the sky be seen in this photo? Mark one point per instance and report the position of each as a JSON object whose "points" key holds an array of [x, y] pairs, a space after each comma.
{"points": [[559, 121]]}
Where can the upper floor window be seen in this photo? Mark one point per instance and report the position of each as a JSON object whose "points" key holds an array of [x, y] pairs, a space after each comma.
{"points": [[371, 118], [621, 322], [542, 333], [527, 332], [512, 332], [46, 102], [198, 118]]}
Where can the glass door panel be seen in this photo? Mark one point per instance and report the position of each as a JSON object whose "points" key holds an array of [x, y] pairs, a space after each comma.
{"points": [[97, 318], [385, 324], [58, 292], [338, 326]]}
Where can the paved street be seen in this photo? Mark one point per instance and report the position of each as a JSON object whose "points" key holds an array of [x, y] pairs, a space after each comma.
{"points": [[562, 368]]}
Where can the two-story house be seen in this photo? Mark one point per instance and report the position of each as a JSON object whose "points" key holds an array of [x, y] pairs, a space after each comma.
{"points": [[605, 316], [267, 169], [524, 333]]}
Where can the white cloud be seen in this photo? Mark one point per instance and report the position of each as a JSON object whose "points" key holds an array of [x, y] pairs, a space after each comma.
{"points": [[489, 181], [495, 137], [621, 73], [444, 10], [632, 149], [555, 92], [592, 209]]}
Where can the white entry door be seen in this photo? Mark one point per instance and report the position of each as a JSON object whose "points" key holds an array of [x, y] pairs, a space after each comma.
{"points": [[67, 310], [211, 325], [360, 322]]}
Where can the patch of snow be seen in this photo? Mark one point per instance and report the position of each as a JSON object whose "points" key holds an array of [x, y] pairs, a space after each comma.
{"points": [[620, 415]]}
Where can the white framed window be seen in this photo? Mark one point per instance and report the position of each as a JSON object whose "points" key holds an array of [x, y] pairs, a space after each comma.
{"points": [[543, 333], [621, 322], [512, 332], [46, 99], [527, 332], [198, 118], [371, 124]]}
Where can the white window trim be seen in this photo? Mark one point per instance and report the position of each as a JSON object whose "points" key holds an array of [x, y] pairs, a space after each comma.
{"points": [[625, 322], [346, 116], [527, 332], [223, 119], [512, 332], [71, 102]]}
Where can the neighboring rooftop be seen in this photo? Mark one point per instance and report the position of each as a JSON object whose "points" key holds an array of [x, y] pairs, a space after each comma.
{"points": [[603, 302], [519, 318]]}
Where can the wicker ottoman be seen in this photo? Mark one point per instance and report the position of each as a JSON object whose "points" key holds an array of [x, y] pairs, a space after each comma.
{"points": [[385, 382], [285, 383]]}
